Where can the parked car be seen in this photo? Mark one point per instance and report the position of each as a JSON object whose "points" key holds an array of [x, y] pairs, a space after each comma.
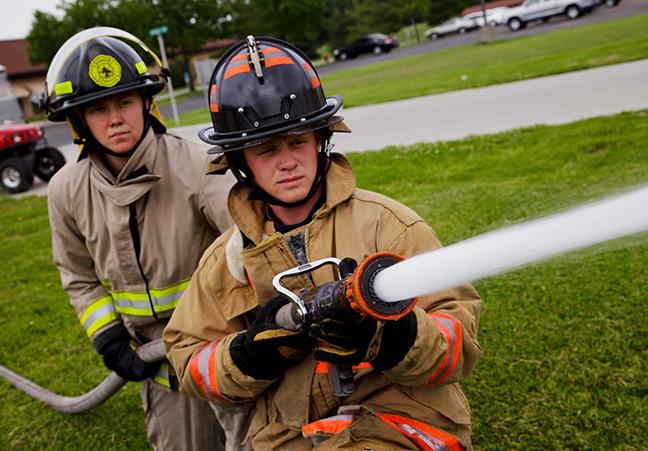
{"points": [[518, 17], [453, 25], [375, 43], [494, 16]]}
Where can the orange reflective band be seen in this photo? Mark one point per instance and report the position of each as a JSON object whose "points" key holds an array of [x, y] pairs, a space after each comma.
{"points": [[424, 436], [330, 425], [451, 330], [213, 106], [315, 82], [271, 62], [202, 371], [323, 367], [236, 70], [239, 57], [270, 50]]}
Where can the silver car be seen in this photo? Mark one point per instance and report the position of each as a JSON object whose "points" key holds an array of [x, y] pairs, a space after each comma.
{"points": [[517, 18], [454, 25]]}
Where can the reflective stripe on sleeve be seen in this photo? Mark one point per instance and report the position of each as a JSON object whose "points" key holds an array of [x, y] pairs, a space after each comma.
{"points": [[162, 376], [451, 330], [137, 303], [98, 314], [203, 371]]}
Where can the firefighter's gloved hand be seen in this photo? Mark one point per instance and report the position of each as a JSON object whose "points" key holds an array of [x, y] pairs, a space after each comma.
{"points": [[118, 355], [384, 344], [265, 351]]}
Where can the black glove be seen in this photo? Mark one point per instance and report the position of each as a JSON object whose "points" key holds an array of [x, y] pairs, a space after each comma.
{"points": [[114, 346], [384, 344], [265, 351]]}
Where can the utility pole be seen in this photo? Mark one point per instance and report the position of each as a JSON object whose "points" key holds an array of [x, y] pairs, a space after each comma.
{"points": [[158, 32], [488, 30]]}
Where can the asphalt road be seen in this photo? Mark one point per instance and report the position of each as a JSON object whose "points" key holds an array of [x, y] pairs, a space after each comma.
{"points": [[58, 134]]}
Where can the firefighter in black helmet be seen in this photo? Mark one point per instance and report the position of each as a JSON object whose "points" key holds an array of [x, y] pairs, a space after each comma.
{"points": [[296, 202], [130, 219]]}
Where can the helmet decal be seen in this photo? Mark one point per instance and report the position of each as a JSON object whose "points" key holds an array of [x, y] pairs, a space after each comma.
{"points": [[105, 71]]}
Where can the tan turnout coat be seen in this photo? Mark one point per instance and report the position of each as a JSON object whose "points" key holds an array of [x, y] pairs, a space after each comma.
{"points": [[220, 302], [179, 211]]}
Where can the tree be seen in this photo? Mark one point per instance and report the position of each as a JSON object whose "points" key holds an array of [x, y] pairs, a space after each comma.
{"points": [[190, 22]]}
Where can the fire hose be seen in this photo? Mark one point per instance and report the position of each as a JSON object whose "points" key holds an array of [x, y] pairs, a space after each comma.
{"points": [[150, 352]]}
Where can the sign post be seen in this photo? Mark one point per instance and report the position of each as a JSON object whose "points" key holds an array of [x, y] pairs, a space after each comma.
{"points": [[159, 31]]}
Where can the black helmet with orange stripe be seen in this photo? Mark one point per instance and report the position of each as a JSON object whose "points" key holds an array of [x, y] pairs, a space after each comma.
{"points": [[264, 87]]}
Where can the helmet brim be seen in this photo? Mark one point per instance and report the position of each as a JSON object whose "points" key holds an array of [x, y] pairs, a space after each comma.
{"points": [[151, 88], [325, 118]]}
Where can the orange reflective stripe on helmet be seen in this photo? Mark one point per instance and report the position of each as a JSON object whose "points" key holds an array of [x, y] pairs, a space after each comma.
{"points": [[451, 330], [424, 436], [277, 61], [330, 425], [213, 106], [202, 370], [315, 81]]}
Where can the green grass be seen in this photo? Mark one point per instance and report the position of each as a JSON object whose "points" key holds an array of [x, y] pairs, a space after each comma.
{"points": [[480, 64], [565, 342]]}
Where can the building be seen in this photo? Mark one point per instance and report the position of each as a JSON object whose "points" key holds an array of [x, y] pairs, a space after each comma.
{"points": [[26, 79]]}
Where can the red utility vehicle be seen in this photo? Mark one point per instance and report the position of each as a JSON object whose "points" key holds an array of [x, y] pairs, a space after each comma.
{"points": [[24, 152]]}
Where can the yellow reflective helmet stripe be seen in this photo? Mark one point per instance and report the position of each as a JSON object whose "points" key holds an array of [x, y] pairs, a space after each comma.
{"points": [[98, 314], [141, 67], [65, 87]]}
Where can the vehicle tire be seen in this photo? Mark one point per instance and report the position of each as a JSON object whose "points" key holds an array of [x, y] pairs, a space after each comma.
{"points": [[47, 162], [461, 31], [434, 36], [16, 175], [572, 12], [610, 3], [515, 24], [377, 50], [343, 56]]}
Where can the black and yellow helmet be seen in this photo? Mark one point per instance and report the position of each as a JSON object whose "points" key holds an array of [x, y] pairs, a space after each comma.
{"points": [[96, 63], [263, 87]]}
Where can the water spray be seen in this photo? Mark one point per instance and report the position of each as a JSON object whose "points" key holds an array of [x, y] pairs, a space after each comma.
{"points": [[385, 286]]}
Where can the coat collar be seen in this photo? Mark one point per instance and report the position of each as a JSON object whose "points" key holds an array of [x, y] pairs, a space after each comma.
{"points": [[130, 184], [249, 215]]}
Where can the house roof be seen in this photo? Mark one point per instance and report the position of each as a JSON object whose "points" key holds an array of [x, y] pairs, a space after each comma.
{"points": [[13, 55], [490, 5]]}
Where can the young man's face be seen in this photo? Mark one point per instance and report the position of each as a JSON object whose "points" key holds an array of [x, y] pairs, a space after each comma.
{"points": [[285, 167], [116, 122]]}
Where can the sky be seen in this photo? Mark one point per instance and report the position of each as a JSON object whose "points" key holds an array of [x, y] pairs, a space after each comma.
{"points": [[17, 16]]}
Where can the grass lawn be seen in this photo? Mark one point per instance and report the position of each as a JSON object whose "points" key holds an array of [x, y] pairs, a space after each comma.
{"points": [[479, 64], [565, 342]]}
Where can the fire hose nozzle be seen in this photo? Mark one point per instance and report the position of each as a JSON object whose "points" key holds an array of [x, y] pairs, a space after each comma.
{"points": [[351, 293]]}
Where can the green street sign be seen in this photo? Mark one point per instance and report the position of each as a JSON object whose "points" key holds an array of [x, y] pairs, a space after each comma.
{"points": [[158, 30]]}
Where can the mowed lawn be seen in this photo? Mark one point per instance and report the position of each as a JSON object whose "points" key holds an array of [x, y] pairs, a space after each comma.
{"points": [[476, 65], [565, 341]]}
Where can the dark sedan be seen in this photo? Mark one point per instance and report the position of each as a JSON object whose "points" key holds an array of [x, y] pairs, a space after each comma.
{"points": [[375, 43]]}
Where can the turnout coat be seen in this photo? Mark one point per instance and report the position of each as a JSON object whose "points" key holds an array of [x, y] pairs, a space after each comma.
{"points": [[234, 278], [126, 246]]}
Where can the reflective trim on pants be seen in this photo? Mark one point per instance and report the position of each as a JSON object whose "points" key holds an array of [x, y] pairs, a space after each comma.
{"points": [[424, 436]]}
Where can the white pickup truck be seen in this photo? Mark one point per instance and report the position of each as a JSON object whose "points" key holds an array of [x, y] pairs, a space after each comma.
{"points": [[517, 17]]}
